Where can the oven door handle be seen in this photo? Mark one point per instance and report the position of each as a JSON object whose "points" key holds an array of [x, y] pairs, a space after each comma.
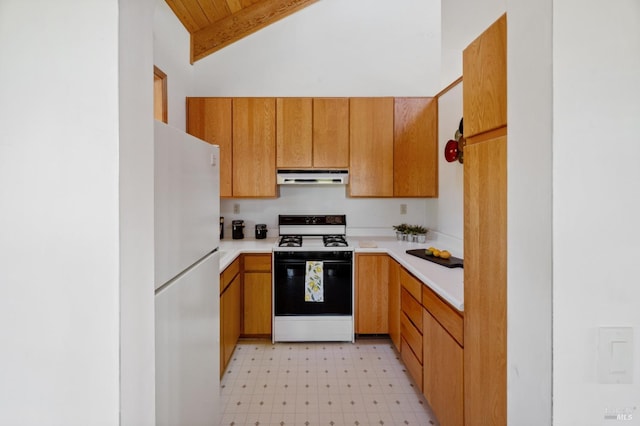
{"points": [[303, 262]]}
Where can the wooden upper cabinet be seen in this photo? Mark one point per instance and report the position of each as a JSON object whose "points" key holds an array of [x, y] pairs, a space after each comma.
{"points": [[210, 120], [254, 147], [415, 156], [294, 132], [484, 69], [371, 147], [331, 132]]}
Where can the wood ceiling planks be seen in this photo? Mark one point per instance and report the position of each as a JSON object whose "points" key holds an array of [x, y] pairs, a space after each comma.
{"points": [[214, 24]]}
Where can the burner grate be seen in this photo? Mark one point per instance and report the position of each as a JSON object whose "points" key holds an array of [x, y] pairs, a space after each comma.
{"points": [[334, 241], [290, 241]]}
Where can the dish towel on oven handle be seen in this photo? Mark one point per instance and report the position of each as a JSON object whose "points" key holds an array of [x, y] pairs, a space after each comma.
{"points": [[313, 281]]}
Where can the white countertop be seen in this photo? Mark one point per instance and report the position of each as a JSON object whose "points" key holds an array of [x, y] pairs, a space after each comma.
{"points": [[446, 282], [230, 249]]}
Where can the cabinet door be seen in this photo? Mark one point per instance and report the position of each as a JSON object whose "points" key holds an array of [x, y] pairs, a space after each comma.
{"points": [[230, 321], [257, 303], [210, 120], [394, 302], [485, 279], [484, 67], [372, 273], [257, 295], [442, 373], [371, 147], [294, 132], [254, 147], [331, 132], [415, 151]]}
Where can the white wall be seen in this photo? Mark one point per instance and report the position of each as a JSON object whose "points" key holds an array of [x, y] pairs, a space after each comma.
{"points": [[171, 47], [333, 48], [529, 229], [448, 207], [365, 216], [596, 105], [59, 250], [137, 328], [462, 21]]}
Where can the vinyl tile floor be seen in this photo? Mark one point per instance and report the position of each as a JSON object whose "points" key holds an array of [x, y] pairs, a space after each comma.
{"points": [[364, 383]]}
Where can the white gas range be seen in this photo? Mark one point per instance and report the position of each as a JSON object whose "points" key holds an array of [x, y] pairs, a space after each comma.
{"points": [[313, 280]]}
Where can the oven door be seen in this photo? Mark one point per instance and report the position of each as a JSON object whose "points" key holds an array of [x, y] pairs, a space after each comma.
{"points": [[289, 283]]}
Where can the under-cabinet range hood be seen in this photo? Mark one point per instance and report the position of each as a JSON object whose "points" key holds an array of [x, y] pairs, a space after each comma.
{"points": [[313, 177]]}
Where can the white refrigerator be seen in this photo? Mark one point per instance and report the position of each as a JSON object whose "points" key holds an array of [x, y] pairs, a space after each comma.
{"points": [[187, 279]]}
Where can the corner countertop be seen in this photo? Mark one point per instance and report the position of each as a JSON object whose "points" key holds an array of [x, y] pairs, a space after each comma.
{"points": [[230, 249], [446, 282]]}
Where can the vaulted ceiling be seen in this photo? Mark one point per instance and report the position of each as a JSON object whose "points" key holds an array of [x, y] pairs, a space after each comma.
{"points": [[214, 24]]}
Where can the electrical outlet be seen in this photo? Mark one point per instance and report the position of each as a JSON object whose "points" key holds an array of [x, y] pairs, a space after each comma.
{"points": [[236, 208], [403, 209]]}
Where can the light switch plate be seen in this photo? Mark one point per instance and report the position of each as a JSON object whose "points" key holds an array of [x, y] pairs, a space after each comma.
{"points": [[615, 355]]}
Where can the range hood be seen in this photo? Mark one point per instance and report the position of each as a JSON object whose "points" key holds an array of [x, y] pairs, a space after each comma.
{"points": [[312, 177]]}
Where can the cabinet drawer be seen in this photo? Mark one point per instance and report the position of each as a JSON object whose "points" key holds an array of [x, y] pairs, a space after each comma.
{"points": [[412, 308], [228, 274], [412, 284], [257, 262], [446, 315], [412, 336], [412, 363]]}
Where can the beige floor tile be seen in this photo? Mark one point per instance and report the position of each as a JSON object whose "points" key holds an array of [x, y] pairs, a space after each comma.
{"points": [[320, 384]]}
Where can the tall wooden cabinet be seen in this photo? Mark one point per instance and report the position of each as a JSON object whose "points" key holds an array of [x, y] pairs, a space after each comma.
{"points": [[485, 227]]}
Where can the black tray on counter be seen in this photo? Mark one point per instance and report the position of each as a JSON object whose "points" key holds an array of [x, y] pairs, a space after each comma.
{"points": [[452, 262]]}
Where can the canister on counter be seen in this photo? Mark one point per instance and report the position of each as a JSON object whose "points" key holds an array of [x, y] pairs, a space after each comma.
{"points": [[237, 229], [261, 231]]}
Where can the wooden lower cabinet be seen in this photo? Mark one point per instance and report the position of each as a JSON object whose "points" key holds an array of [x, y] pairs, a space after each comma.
{"points": [[230, 312], [411, 361], [442, 372], [257, 295], [431, 344], [230, 321], [394, 302], [411, 326], [371, 288]]}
